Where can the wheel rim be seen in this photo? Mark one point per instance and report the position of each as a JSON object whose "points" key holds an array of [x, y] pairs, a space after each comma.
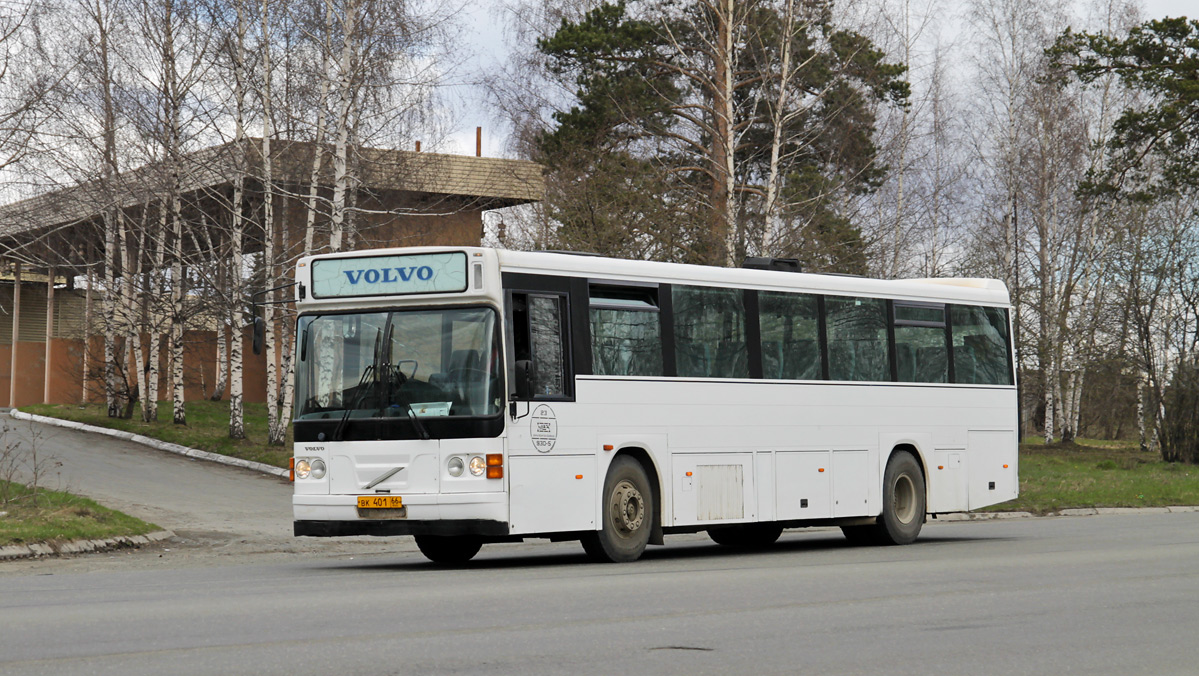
{"points": [[628, 508], [903, 499]]}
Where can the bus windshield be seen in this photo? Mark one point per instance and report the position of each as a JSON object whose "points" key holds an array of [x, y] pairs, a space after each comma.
{"points": [[398, 364]]}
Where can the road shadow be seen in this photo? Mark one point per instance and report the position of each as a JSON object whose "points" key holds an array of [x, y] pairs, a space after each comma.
{"points": [[493, 557]]}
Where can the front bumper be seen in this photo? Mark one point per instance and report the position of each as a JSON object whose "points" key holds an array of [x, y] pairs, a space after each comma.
{"points": [[425, 514], [387, 527]]}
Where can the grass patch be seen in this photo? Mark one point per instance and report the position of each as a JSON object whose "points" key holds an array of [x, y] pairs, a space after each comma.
{"points": [[56, 516], [1094, 473], [207, 428]]}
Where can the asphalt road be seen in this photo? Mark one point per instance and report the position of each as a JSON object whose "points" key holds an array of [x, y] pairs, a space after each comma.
{"points": [[219, 509], [1113, 594]]}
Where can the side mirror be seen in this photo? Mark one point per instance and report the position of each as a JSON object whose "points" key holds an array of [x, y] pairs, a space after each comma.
{"points": [[259, 335], [524, 379]]}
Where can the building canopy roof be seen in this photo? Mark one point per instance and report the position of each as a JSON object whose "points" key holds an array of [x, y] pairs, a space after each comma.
{"points": [[35, 230]]}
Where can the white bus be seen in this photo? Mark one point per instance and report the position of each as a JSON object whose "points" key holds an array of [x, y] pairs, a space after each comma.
{"points": [[470, 395]]}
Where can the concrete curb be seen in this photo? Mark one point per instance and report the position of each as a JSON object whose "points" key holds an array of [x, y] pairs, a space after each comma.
{"points": [[154, 443], [39, 549]]}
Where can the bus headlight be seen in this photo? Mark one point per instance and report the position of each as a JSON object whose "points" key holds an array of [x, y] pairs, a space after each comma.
{"points": [[318, 468], [303, 469], [455, 466], [478, 465]]}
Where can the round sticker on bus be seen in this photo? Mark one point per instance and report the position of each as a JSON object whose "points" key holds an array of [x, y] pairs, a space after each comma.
{"points": [[543, 428]]}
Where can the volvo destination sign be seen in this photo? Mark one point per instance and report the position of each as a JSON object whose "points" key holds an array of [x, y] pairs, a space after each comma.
{"points": [[389, 275]]}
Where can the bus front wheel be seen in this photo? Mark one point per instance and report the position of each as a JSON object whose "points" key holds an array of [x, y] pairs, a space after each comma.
{"points": [[449, 550], [628, 514]]}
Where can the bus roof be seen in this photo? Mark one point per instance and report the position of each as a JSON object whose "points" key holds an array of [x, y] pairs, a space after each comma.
{"points": [[952, 290], [963, 289]]}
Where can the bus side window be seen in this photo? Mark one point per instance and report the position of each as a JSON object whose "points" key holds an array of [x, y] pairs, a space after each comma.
{"points": [[980, 345], [710, 335], [921, 350], [790, 335], [539, 335], [857, 338], [626, 334]]}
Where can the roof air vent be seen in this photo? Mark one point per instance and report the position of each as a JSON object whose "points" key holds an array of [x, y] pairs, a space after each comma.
{"points": [[780, 264]]}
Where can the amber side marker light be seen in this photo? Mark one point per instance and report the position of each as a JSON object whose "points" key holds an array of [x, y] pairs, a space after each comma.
{"points": [[291, 467], [1005, 466]]}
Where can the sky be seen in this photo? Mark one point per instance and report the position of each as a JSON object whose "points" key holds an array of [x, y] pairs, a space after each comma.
{"points": [[483, 31]]}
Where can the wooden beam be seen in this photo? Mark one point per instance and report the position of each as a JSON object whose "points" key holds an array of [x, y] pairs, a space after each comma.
{"points": [[16, 333], [49, 333]]}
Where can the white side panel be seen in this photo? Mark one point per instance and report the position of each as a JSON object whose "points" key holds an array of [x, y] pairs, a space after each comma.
{"points": [[851, 483], [992, 465], [552, 493], [948, 479], [714, 488], [764, 481], [803, 485]]}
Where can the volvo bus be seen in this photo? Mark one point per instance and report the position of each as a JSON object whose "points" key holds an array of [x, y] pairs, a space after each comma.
{"points": [[467, 396]]}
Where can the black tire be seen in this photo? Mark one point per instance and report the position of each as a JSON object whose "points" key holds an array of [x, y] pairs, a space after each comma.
{"points": [[746, 535], [449, 550], [903, 501], [628, 514]]}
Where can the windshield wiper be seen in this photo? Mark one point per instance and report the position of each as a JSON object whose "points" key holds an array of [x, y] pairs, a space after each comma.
{"points": [[420, 426], [345, 417]]}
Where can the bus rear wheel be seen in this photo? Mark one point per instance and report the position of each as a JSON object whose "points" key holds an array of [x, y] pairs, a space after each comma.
{"points": [[746, 535], [903, 501], [628, 514], [449, 550]]}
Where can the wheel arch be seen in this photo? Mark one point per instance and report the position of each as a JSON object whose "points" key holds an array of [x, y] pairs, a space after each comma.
{"points": [[642, 456]]}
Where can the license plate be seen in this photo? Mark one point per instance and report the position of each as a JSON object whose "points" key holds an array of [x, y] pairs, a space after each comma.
{"points": [[380, 502]]}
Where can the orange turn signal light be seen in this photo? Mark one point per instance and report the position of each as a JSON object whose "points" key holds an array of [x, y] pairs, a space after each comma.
{"points": [[291, 466], [607, 447], [688, 473], [820, 470], [578, 476], [495, 466], [1005, 466], [940, 466]]}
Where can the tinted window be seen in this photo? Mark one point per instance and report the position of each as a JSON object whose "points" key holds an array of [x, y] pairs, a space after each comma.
{"points": [[980, 345], [539, 336], [790, 336], [857, 338], [709, 327], [626, 335], [921, 353], [545, 323]]}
